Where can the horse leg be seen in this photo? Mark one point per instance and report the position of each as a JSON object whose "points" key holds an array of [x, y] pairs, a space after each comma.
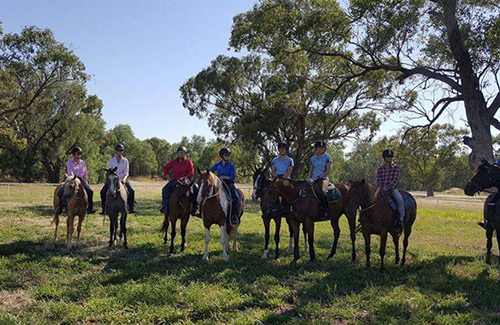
{"points": [[277, 222], [79, 228], [235, 238], [489, 242], [383, 244], [223, 242], [111, 230], [267, 222], [56, 221], [290, 240], [367, 238], [352, 233], [166, 223], [306, 246], [184, 223], [407, 230], [123, 228], [69, 230], [172, 234], [395, 239], [296, 234], [309, 225], [334, 222], [207, 240]]}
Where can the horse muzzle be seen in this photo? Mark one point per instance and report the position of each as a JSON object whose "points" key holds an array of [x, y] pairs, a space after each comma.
{"points": [[471, 189]]}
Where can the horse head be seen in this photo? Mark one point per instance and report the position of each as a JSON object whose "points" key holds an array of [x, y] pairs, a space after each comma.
{"points": [[112, 180], [259, 177], [71, 187], [487, 175], [357, 194], [207, 182]]}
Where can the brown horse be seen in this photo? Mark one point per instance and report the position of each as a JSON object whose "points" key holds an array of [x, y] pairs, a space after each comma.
{"points": [[75, 199], [377, 217], [214, 208], [180, 208], [116, 203], [302, 207]]}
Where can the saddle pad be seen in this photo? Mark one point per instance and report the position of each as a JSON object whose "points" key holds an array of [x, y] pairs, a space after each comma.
{"points": [[332, 193], [407, 200]]}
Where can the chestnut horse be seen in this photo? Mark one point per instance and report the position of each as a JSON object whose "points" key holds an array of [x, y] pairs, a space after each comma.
{"points": [[180, 208], [116, 203], [488, 176], [377, 217], [272, 208], [75, 199], [215, 207], [302, 204]]}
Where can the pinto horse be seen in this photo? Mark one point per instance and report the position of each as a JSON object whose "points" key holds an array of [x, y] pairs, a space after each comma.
{"points": [[377, 217], [116, 203], [215, 208], [272, 208], [180, 208], [487, 176], [76, 200]]}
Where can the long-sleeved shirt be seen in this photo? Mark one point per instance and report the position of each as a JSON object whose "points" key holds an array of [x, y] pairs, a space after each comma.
{"points": [[180, 169], [122, 166], [78, 169], [388, 177], [224, 170]]}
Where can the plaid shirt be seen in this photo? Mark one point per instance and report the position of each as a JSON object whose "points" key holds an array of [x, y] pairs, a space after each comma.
{"points": [[388, 177]]}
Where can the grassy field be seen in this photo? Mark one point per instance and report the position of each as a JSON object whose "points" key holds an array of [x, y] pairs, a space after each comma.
{"points": [[445, 280]]}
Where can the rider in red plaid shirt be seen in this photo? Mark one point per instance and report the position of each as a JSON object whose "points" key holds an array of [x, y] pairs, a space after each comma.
{"points": [[388, 179]]}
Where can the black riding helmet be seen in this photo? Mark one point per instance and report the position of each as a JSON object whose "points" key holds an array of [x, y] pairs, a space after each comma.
{"points": [[182, 148], [76, 150], [223, 151], [388, 153], [320, 144], [282, 145], [119, 147]]}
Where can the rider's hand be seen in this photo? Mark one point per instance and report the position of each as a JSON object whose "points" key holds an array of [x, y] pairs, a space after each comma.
{"points": [[310, 180]]}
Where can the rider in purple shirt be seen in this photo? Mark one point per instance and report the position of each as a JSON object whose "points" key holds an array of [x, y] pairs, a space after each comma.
{"points": [[77, 167]]}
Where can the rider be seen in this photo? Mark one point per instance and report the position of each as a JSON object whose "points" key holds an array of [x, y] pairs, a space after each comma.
{"points": [[77, 167], [492, 205], [179, 167], [320, 166], [388, 179], [122, 170], [282, 165], [226, 172]]}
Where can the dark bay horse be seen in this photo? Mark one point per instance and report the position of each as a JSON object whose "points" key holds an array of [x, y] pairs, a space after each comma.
{"points": [[75, 199], [377, 217], [180, 208], [116, 203], [214, 209], [488, 176]]}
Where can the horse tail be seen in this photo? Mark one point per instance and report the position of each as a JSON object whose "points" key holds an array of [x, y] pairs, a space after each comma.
{"points": [[164, 225], [56, 219]]}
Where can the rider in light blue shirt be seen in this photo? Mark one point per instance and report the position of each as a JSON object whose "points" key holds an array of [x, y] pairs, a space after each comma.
{"points": [[226, 172], [282, 165], [319, 168]]}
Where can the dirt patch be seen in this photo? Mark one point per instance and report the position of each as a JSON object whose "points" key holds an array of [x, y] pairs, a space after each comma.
{"points": [[454, 191], [14, 300]]}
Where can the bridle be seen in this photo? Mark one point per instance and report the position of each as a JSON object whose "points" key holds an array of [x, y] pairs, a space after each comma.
{"points": [[477, 184]]}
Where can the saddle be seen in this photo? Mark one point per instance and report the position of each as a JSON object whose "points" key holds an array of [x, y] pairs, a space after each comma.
{"points": [[232, 217], [407, 200]]}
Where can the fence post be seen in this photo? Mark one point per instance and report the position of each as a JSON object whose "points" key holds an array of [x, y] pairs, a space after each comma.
{"points": [[8, 192]]}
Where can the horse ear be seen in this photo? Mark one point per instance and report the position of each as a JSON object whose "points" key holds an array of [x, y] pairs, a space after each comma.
{"points": [[114, 169], [349, 180], [74, 177], [66, 175], [104, 168], [198, 169], [363, 182], [208, 171]]}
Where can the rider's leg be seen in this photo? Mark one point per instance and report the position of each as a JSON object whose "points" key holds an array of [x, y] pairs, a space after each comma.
{"points": [[165, 193], [400, 204], [90, 195], [103, 192], [193, 197], [60, 196], [131, 197]]}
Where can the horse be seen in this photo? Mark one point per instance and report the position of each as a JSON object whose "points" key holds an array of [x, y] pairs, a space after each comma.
{"points": [[487, 176], [215, 208], [76, 201], [303, 200], [116, 203], [180, 208], [377, 217]]}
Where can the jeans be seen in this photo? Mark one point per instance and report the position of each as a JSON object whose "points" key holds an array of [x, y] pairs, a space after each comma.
{"points": [[235, 199], [399, 202], [90, 195], [130, 199]]}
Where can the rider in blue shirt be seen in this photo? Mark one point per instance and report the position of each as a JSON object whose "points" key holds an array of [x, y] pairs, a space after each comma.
{"points": [[226, 172], [320, 166], [282, 165]]}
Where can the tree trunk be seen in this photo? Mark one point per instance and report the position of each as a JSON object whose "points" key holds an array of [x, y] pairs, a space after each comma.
{"points": [[430, 192]]}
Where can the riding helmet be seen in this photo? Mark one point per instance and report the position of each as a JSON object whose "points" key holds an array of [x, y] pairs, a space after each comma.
{"points": [[76, 150], [387, 153], [320, 144], [119, 147], [282, 145], [181, 148], [223, 151]]}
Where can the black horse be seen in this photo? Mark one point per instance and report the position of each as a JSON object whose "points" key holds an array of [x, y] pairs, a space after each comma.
{"points": [[488, 176]]}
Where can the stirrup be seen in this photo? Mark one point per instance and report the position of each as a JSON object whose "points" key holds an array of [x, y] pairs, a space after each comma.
{"points": [[482, 224]]}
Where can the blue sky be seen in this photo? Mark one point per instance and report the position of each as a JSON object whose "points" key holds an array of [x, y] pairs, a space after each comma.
{"points": [[138, 52]]}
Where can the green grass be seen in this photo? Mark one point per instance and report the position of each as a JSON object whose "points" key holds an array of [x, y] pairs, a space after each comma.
{"points": [[445, 280]]}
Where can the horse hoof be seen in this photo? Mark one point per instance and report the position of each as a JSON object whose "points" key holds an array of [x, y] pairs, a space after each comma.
{"points": [[311, 261], [125, 246], [205, 258], [225, 258], [265, 254], [293, 263]]}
